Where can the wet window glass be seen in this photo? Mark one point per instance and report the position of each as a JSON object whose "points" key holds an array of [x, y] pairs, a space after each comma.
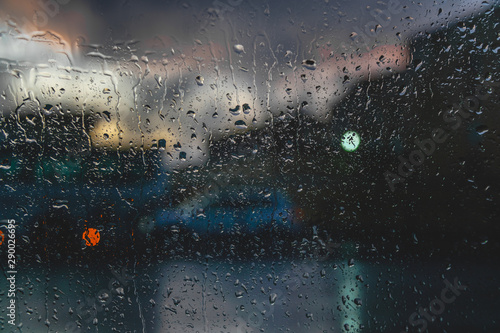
{"points": [[249, 166]]}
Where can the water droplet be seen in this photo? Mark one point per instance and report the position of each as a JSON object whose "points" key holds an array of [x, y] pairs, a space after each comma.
{"points": [[309, 64], [238, 48], [103, 297], [48, 109], [272, 298], [240, 124], [200, 80], [246, 108], [5, 165], [235, 111], [482, 129], [159, 80], [107, 115], [418, 66]]}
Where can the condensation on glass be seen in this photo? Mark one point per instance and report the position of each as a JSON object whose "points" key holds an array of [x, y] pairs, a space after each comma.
{"points": [[247, 166]]}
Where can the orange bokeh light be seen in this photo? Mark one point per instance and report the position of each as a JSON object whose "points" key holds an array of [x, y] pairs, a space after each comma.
{"points": [[91, 237]]}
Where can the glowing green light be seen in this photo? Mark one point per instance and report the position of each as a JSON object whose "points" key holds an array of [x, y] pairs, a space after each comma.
{"points": [[350, 141]]}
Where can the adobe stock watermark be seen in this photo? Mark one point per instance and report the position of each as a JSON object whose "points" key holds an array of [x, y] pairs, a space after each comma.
{"points": [[436, 307], [221, 7], [218, 9], [10, 239], [252, 321], [212, 190], [381, 19], [87, 309], [44, 11], [454, 118]]}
